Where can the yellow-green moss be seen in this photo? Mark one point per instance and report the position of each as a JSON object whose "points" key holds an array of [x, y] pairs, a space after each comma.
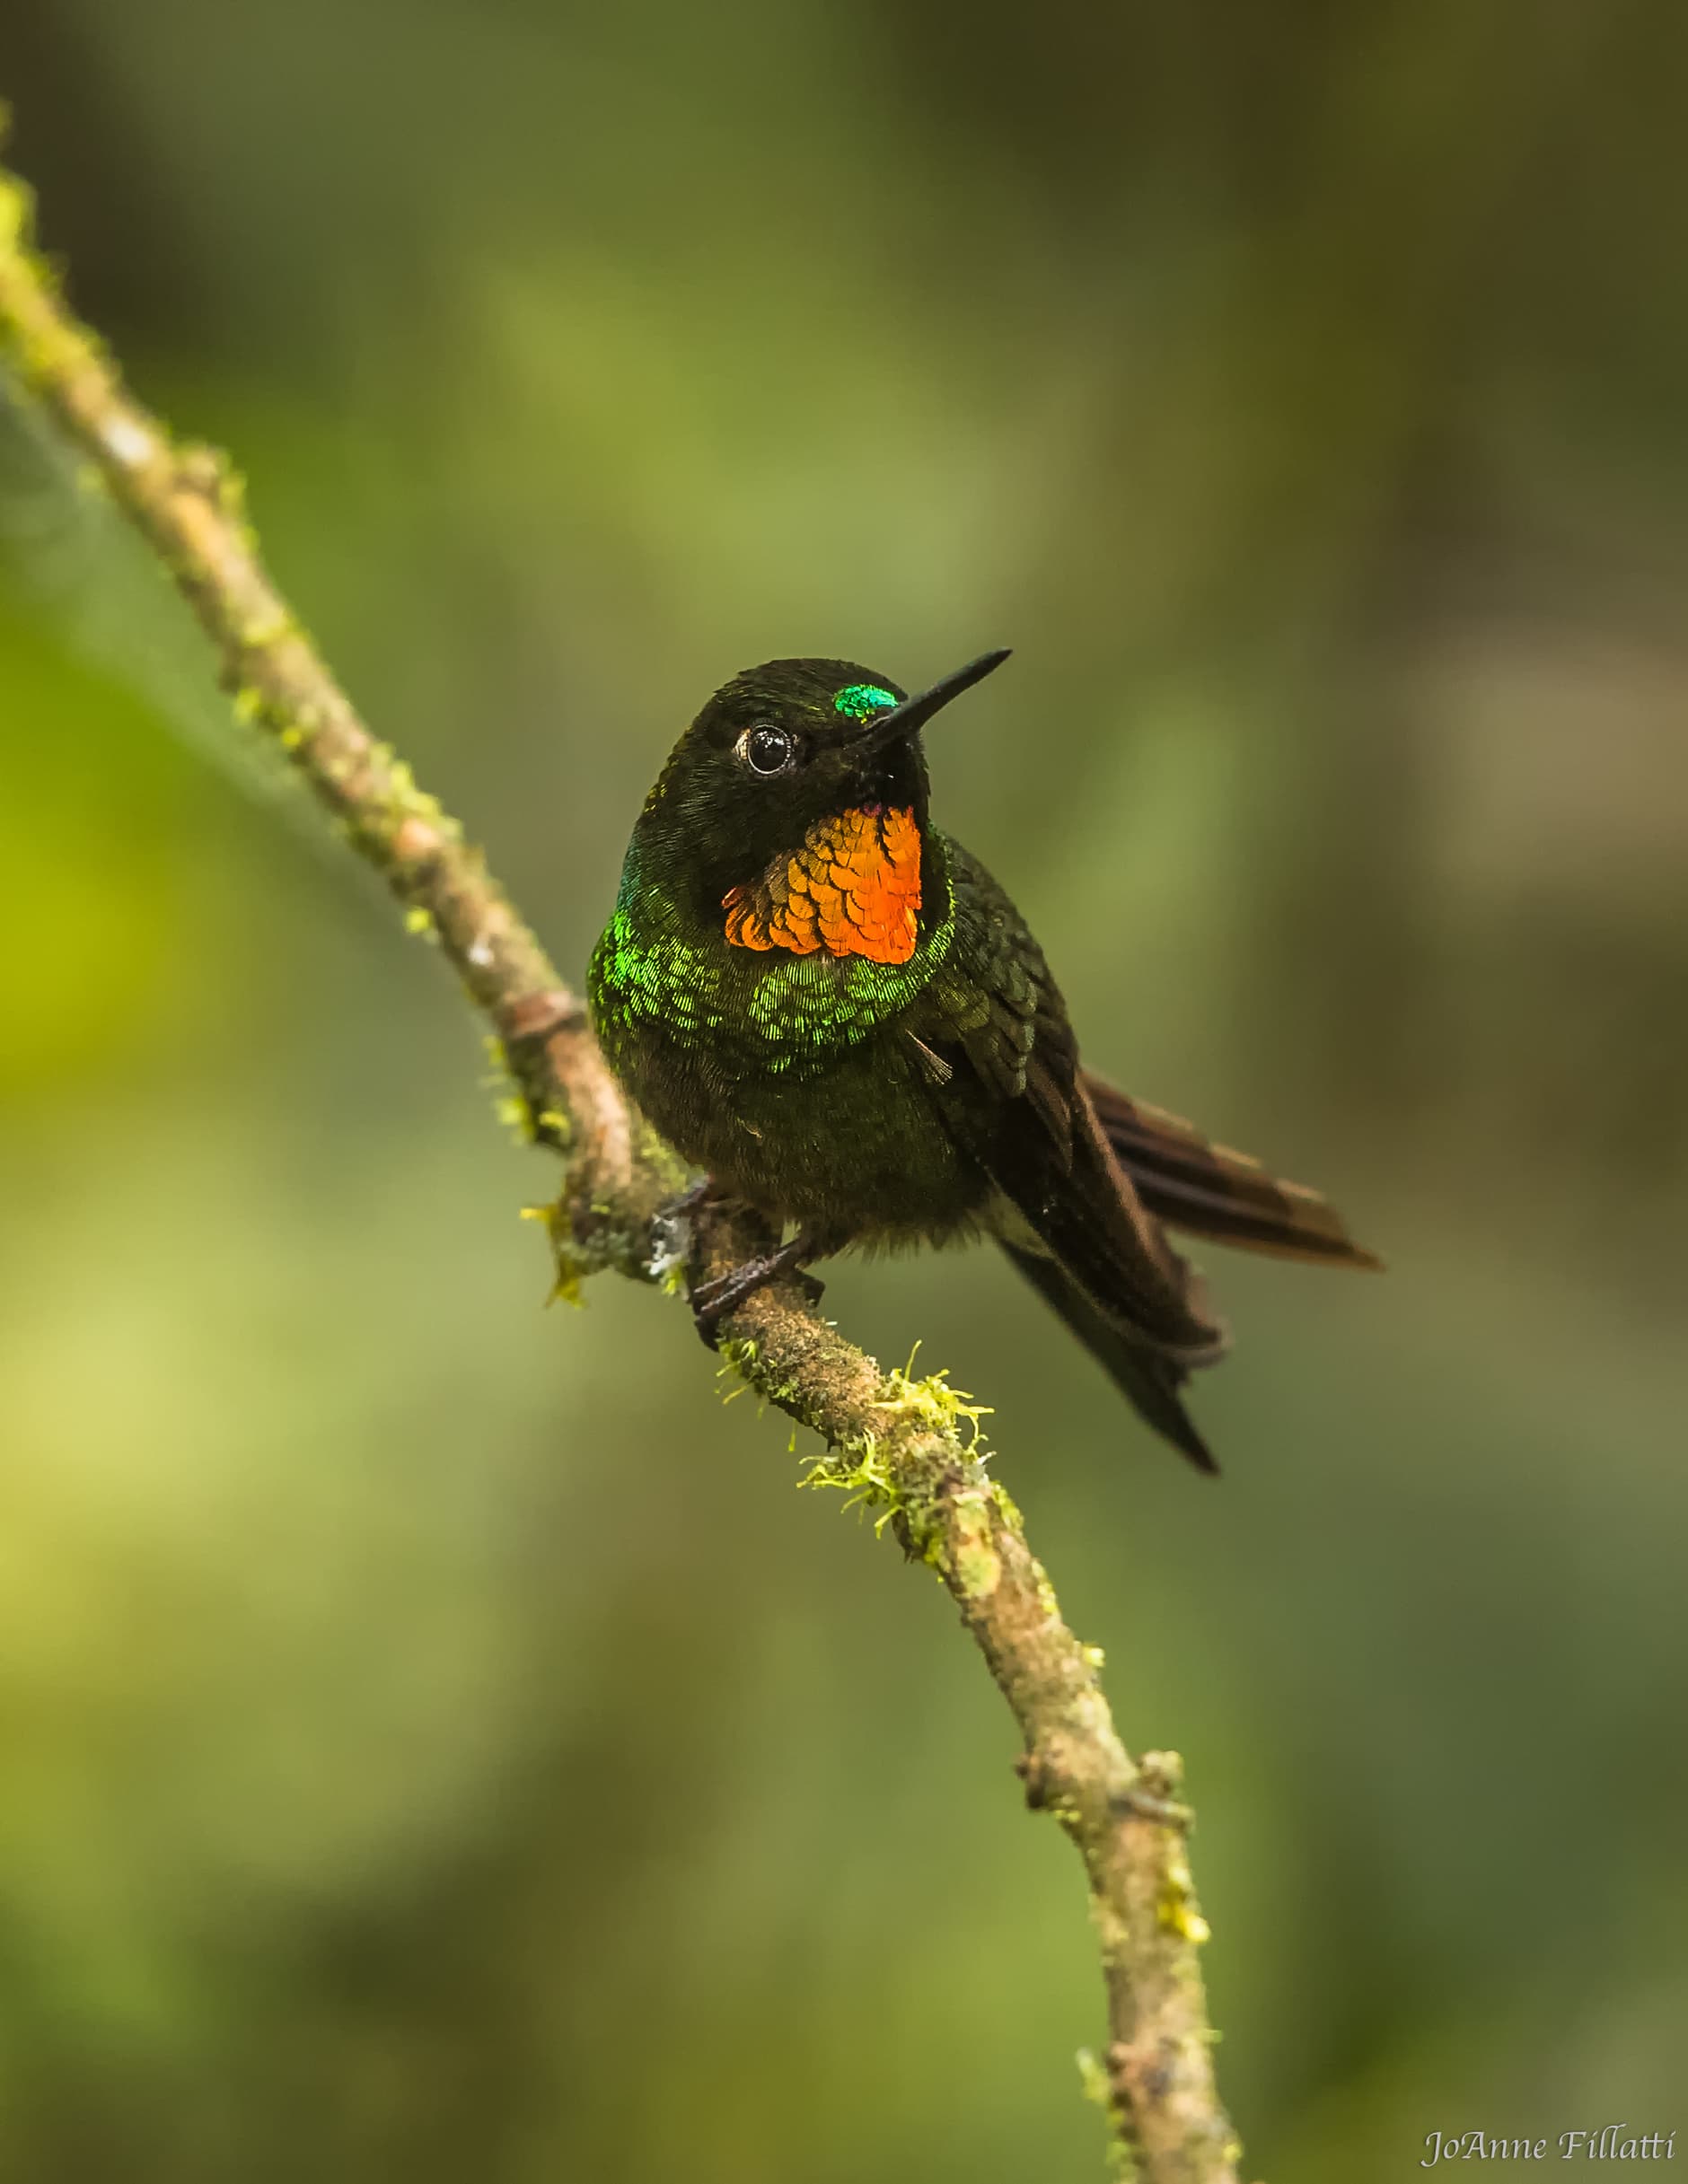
{"points": [[865, 1479], [1177, 1910], [1093, 2080], [973, 1556], [568, 1264], [933, 1404]]}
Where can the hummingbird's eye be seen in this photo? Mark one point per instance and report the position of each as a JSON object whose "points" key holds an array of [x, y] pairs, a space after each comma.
{"points": [[767, 750]]}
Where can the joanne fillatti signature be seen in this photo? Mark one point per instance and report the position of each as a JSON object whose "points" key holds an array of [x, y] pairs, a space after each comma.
{"points": [[1616, 2142]]}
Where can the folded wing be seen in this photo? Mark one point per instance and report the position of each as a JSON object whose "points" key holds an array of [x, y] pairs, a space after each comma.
{"points": [[1006, 1082]]}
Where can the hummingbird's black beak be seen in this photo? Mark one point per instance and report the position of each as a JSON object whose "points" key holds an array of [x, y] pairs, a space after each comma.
{"points": [[913, 713]]}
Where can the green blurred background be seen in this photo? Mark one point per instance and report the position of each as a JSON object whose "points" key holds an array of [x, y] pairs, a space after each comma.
{"points": [[436, 1742]]}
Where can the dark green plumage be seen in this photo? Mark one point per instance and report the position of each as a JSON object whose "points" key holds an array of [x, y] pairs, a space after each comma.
{"points": [[880, 1054]]}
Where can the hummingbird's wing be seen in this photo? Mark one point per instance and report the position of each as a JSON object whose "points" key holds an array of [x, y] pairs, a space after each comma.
{"points": [[1150, 1378], [1187, 1180], [1014, 1100]]}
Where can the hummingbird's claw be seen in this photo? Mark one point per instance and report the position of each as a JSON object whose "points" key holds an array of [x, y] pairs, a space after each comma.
{"points": [[711, 1301]]}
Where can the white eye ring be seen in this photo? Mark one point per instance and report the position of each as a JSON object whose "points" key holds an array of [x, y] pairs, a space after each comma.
{"points": [[767, 750]]}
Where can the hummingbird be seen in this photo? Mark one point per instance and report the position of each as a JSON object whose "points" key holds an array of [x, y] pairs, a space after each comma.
{"points": [[828, 1007]]}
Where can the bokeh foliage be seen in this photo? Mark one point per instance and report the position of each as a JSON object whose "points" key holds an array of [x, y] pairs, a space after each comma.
{"points": [[436, 1742]]}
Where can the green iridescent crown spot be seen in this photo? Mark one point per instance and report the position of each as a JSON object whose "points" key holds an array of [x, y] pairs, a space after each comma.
{"points": [[858, 700]]}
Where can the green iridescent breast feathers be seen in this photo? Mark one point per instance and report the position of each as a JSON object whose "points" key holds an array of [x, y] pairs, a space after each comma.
{"points": [[654, 972]]}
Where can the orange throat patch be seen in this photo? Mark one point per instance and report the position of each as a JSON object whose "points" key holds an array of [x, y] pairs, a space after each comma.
{"points": [[853, 888]]}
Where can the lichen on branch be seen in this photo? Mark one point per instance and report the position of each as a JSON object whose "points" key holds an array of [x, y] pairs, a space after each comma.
{"points": [[905, 1449]]}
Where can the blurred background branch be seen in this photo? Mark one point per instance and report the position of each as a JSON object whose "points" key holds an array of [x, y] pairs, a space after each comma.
{"points": [[897, 1444]]}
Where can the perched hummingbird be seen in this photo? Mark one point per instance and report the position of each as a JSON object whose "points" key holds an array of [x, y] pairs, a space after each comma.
{"points": [[831, 1008]]}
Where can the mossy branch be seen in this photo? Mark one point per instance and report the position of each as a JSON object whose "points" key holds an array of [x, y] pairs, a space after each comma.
{"points": [[901, 1446]]}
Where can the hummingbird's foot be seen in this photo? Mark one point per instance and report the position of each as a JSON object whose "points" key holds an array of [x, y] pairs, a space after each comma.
{"points": [[712, 1301], [688, 1200]]}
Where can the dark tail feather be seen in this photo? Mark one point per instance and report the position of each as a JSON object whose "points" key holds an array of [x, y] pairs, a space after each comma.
{"points": [[1210, 1190], [1149, 1378]]}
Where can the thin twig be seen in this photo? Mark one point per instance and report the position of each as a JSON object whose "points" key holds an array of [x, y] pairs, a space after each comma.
{"points": [[898, 1445]]}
